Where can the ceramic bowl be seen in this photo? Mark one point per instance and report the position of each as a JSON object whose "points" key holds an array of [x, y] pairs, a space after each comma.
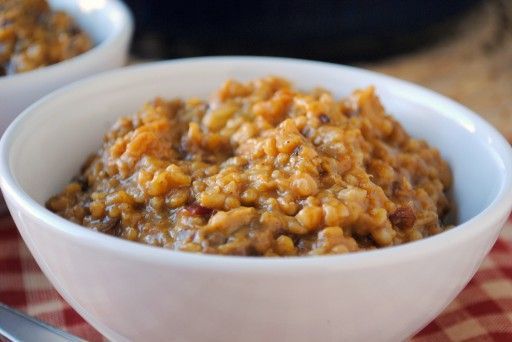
{"points": [[108, 22], [130, 291]]}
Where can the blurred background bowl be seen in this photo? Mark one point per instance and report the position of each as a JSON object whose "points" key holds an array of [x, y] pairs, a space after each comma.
{"points": [[108, 22]]}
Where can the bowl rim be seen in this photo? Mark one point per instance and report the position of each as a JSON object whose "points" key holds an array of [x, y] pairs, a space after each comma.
{"points": [[494, 214], [124, 32]]}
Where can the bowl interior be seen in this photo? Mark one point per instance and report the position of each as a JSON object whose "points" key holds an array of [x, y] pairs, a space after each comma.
{"points": [[52, 138], [96, 17]]}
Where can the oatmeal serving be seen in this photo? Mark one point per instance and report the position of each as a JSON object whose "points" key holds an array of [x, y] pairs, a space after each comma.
{"points": [[33, 36], [261, 169]]}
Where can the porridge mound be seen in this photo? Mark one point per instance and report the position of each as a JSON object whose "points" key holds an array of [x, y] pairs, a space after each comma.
{"points": [[261, 169]]}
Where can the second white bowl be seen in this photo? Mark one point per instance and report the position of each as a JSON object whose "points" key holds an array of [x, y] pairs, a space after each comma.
{"points": [[110, 25]]}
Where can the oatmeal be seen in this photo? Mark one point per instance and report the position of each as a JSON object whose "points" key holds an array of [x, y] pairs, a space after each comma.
{"points": [[33, 36], [261, 169]]}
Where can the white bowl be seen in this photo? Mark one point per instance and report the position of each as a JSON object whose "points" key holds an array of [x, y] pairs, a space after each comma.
{"points": [[130, 291], [108, 22]]}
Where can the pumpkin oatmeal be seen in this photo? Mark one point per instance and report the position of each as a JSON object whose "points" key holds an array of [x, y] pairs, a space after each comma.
{"points": [[261, 169], [33, 36]]}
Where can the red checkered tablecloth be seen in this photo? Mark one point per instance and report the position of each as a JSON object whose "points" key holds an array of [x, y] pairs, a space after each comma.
{"points": [[481, 312]]}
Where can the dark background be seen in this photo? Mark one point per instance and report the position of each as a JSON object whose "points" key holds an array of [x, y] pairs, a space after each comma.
{"points": [[338, 31]]}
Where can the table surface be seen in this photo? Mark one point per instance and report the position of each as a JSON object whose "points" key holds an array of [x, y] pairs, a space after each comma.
{"points": [[473, 66]]}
